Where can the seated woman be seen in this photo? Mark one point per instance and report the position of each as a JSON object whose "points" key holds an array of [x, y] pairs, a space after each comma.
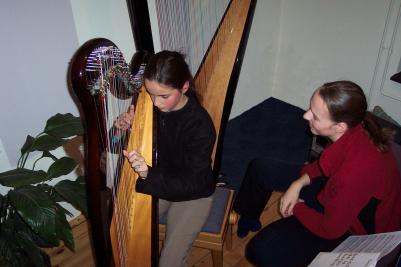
{"points": [[353, 188]]}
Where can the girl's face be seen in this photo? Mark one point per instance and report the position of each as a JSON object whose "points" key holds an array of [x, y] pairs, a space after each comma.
{"points": [[320, 121], [167, 98]]}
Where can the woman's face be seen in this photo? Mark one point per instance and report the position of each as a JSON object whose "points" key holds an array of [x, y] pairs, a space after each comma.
{"points": [[319, 119], [166, 98]]}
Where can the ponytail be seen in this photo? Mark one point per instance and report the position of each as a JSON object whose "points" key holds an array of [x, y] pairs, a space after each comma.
{"points": [[381, 137]]}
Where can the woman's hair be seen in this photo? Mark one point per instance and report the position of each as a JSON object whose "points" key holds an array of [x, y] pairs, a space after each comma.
{"points": [[168, 68], [347, 103]]}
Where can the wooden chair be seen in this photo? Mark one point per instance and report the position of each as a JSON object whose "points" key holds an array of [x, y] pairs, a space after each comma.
{"points": [[217, 230]]}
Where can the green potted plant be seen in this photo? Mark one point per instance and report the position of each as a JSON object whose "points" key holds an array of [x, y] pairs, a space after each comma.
{"points": [[31, 216]]}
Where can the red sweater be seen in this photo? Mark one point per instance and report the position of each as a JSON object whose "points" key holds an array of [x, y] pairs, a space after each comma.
{"points": [[357, 171]]}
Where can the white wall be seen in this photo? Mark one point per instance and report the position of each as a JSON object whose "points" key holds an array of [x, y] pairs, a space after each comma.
{"points": [[295, 46], [105, 19], [325, 40], [258, 67], [37, 39]]}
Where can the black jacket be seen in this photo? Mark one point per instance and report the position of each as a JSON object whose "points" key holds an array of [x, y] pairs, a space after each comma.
{"points": [[185, 144]]}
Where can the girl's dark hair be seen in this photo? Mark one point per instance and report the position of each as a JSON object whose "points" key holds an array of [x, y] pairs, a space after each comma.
{"points": [[169, 68], [347, 103]]}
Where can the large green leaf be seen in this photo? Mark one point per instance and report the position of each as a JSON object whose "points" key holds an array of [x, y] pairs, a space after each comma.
{"points": [[38, 210], [64, 125], [62, 166], [10, 254], [46, 143], [18, 245], [74, 193], [64, 231], [21, 226], [7, 244], [21, 176], [31, 249]]}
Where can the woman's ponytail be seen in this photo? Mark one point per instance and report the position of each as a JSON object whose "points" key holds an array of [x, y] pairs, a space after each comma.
{"points": [[381, 137]]}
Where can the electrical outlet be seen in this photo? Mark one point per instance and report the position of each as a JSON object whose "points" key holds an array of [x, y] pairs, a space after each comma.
{"points": [[4, 162]]}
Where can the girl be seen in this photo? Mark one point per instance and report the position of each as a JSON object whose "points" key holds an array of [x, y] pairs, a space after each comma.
{"points": [[359, 192], [183, 179]]}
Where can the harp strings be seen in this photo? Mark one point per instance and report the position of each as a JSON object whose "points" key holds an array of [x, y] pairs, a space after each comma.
{"points": [[199, 31], [122, 189], [188, 26], [114, 87], [207, 64]]}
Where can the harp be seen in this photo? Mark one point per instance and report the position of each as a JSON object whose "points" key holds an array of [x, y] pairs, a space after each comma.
{"points": [[106, 88], [215, 81]]}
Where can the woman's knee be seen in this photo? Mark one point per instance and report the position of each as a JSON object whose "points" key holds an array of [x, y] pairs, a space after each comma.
{"points": [[264, 248], [254, 252]]}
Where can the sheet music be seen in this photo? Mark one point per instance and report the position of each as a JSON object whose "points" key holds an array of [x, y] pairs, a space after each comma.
{"points": [[345, 259], [364, 250]]}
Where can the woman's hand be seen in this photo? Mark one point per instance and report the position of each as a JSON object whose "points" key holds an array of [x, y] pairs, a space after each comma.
{"points": [[123, 121], [137, 162], [291, 196]]}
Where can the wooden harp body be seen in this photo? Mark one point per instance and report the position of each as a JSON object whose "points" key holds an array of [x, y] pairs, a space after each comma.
{"points": [[121, 225], [217, 76]]}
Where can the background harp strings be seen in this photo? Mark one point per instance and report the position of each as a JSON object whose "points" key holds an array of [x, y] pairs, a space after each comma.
{"points": [[188, 26], [209, 33]]}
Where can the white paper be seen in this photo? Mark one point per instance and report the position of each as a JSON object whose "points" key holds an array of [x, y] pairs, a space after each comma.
{"points": [[382, 243], [345, 259], [362, 250]]}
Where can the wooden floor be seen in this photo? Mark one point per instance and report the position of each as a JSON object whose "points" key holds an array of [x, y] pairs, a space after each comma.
{"points": [[63, 257], [235, 257]]}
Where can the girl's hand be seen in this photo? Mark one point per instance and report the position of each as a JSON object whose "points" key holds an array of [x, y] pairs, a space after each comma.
{"points": [[123, 121], [137, 162], [291, 196]]}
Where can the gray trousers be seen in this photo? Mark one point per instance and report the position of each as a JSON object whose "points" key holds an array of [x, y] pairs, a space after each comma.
{"points": [[184, 221]]}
